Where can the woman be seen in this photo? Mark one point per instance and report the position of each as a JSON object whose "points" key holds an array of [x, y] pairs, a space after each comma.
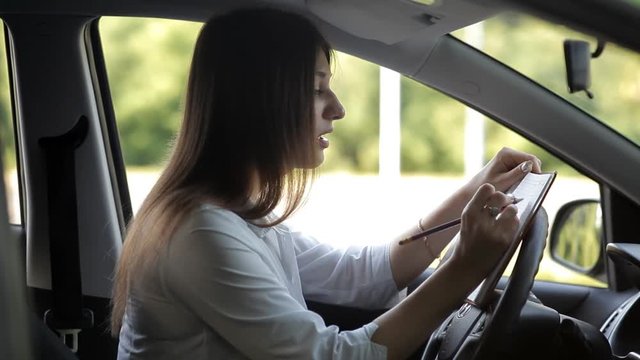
{"points": [[207, 269]]}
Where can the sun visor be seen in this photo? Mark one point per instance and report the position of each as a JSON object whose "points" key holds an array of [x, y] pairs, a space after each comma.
{"points": [[392, 21]]}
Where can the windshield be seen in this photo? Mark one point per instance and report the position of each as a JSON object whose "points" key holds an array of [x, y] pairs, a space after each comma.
{"points": [[534, 47]]}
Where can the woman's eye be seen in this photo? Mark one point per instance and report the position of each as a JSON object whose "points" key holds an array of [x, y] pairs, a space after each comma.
{"points": [[318, 91]]}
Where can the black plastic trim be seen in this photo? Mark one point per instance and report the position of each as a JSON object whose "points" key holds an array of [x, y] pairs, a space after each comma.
{"points": [[109, 118], [14, 117]]}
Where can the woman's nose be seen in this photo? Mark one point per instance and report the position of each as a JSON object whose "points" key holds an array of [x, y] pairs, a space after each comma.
{"points": [[335, 110]]}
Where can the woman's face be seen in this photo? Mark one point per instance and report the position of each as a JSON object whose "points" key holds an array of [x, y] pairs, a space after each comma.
{"points": [[326, 107]]}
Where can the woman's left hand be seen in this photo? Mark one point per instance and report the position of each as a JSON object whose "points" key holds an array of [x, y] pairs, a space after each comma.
{"points": [[506, 167]]}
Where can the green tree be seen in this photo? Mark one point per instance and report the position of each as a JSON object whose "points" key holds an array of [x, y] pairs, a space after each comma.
{"points": [[535, 48], [354, 144], [432, 130], [147, 63], [7, 144]]}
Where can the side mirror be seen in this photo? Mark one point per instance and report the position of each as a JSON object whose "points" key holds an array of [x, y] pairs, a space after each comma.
{"points": [[577, 238]]}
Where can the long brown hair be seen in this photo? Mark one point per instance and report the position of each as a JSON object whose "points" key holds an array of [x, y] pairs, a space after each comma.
{"points": [[248, 121]]}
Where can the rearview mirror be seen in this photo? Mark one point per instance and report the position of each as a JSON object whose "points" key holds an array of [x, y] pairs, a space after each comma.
{"points": [[577, 58], [576, 237], [578, 62]]}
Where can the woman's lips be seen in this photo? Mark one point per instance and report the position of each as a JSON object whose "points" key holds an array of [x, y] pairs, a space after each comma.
{"points": [[323, 142]]}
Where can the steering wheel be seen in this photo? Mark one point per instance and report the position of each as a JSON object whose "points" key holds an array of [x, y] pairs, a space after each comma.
{"points": [[475, 333]]}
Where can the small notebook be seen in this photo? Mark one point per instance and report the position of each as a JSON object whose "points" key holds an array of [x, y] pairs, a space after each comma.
{"points": [[533, 188]]}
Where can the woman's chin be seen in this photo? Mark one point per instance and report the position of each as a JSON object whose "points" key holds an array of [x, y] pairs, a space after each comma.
{"points": [[318, 159]]}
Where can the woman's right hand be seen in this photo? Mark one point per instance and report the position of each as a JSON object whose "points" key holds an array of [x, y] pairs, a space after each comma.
{"points": [[484, 237]]}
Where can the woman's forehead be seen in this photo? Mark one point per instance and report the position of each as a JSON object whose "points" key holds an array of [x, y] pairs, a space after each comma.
{"points": [[322, 66]]}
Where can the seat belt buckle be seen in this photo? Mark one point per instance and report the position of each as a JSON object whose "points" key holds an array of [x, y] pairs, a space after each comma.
{"points": [[68, 331], [69, 334]]}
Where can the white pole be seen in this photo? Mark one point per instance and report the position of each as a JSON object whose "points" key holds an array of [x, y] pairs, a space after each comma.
{"points": [[474, 121], [389, 148]]}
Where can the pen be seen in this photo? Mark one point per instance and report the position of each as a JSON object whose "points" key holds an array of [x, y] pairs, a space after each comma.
{"points": [[442, 227]]}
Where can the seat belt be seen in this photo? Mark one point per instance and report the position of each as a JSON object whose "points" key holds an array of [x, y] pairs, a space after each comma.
{"points": [[67, 316]]}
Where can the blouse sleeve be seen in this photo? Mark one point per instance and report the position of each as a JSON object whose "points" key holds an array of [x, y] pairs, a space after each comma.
{"points": [[356, 276], [233, 290]]}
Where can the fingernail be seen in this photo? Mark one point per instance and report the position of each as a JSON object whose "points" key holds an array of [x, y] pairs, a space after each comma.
{"points": [[526, 166]]}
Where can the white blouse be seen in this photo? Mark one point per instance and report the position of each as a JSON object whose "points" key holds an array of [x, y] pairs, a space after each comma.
{"points": [[227, 289]]}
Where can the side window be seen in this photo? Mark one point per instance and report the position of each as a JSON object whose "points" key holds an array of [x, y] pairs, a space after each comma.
{"points": [[7, 136], [147, 63], [613, 83]]}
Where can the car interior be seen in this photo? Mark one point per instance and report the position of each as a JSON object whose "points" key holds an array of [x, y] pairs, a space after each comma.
{"points": [[57, 261]]}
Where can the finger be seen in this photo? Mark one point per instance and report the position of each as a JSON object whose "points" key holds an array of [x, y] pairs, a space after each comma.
{"points": [[496, 203], [537, 165], [509, 212], [511, 158], [520, 171], [500, 199], [508, 219], [532, 164], [481, 197]]}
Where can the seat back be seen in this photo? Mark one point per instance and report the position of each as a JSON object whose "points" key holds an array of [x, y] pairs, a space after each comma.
{"points": [[22, 334]]}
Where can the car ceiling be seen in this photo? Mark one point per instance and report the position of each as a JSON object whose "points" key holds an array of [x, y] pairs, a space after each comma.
{"points": [[386, 21]]}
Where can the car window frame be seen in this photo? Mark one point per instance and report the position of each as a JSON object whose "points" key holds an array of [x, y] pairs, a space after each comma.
{"points": [[109, 131], [8, 50]]}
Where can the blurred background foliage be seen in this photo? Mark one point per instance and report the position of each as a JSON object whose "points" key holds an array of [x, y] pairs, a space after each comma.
{"points": [[535, 48], [148, 92], [147, 64], [148, 61], [6, 127]]}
